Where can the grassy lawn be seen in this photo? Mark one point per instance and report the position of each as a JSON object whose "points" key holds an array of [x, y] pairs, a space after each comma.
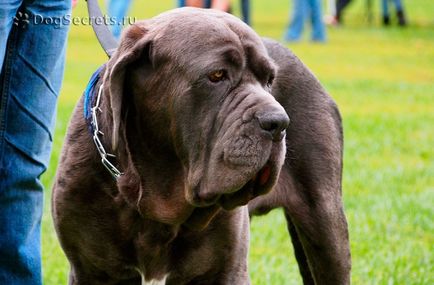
{"points": [[383, 82]]}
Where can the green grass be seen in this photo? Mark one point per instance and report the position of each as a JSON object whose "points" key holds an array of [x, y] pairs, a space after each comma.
{"points": [[383, 82]]}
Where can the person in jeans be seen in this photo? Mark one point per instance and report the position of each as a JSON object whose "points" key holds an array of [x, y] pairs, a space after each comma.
{"points": [[117, 10], [32, 50], [399, 12], [222, 5], [302, 9]]}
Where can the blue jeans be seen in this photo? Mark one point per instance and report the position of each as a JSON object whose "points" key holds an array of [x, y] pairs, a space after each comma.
{"points": [[303, 9], [182, 3], [385, 6], [118, 10], [31, 62], [245, 11]]}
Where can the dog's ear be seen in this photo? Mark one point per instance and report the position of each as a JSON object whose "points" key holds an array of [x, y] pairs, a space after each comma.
{"points": [[135, 44]]}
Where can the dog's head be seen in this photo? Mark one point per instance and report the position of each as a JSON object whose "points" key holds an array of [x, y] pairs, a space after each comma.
{"points": [[197, 84]]}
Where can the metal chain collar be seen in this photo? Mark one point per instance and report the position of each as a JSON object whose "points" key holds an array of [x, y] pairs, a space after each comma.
{"points": [[96, 139]]}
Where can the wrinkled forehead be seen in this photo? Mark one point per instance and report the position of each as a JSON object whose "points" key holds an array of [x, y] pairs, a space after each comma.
{"points": [[190, 35]]}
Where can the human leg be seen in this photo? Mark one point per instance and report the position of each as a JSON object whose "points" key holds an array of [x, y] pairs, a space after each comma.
{"points": [[8, 10], [245, 11], [318, 28], [400, 13], [331, 6], [340, 6], [30, 81], [294, 30], [385, 12], [330, 17], [117, 9]]}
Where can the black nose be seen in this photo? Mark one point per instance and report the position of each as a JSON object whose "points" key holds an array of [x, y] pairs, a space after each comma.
{"points": [[275, 123]]}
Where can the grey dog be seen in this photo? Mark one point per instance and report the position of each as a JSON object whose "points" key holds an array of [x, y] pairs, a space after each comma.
{"points": [[195, 106]]}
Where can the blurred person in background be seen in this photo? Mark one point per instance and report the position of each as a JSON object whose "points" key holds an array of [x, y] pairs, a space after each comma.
{"points": [[222, 5], [399, 12], [32, 55], [330, 18], [302, 10], [341, 5]]}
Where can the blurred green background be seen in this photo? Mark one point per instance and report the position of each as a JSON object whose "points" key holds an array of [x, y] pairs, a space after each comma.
{"points": [[383, 81]]}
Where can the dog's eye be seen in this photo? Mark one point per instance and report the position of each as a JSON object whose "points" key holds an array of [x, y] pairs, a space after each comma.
{"points": [[217, 75], [270, 81]]}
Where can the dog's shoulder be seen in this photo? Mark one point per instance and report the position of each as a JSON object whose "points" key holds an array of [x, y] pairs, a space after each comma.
{"points": [[297, 88]]}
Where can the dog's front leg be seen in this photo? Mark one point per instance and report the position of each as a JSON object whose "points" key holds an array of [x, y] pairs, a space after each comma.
{"points": [[235, 270], [321, 228], [300, 255]]}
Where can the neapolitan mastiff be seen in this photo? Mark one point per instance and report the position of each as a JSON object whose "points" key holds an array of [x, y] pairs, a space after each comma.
{"points": [[194, 106]]}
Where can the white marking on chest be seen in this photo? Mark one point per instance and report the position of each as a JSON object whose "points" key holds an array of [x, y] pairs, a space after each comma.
{"points": [[154, 282]]}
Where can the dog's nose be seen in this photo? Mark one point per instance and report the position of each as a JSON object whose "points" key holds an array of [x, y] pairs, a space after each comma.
{"points": [[274, 123], [204, 199]]}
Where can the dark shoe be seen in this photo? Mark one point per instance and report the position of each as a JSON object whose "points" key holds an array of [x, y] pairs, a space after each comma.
{"points": [[401, 18], [386, 20]]}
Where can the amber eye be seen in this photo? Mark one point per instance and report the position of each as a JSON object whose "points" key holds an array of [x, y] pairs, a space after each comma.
{"points": [[217, 75]]}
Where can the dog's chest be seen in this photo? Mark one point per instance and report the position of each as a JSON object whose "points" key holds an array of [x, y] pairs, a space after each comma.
{"points": [[154, 255], [166, 254]]}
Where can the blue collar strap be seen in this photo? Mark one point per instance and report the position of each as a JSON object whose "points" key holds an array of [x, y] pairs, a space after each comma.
{"points": [[89, 97]]}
